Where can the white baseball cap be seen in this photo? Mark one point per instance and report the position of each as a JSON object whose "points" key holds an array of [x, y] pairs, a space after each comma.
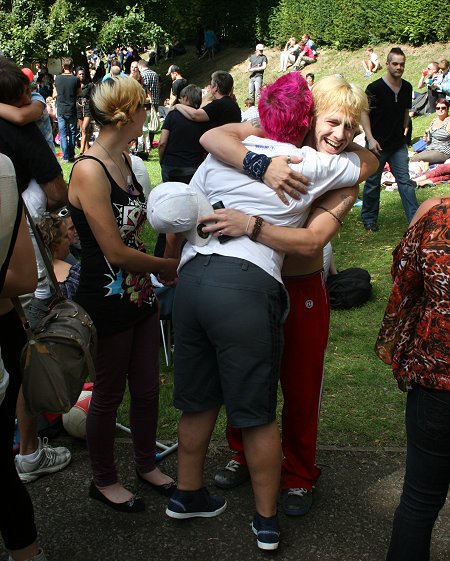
{"points": [[176, 207], [259, 47]]}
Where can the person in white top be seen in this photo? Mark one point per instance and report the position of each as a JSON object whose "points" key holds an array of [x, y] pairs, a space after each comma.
{"points": [[230, 305], [372, 64]]}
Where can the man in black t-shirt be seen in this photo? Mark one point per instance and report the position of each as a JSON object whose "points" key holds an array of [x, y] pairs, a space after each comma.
{"points": [[222, 109], [178, 83], [386, 129], [258, 63], [67, 88]]}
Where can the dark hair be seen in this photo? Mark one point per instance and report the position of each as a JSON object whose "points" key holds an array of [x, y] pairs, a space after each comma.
{"points": [[194, 95], [395, 51], [67, 63], [223, 80], [444, 101], [311, 75], [13, 81]]}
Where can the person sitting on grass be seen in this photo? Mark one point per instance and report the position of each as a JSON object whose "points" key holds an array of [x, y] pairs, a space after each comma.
{"points": [[438, 136], [440, 174], [56, 239], [372, 64], [289, 54]]}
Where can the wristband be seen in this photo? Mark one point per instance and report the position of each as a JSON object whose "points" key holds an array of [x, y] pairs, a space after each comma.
{"points": [[255, 165], [256, 228], [246, 228]]}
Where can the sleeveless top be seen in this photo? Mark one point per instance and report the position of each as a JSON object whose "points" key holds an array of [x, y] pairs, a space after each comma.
{"points": [[440, 138], [114, 298]]}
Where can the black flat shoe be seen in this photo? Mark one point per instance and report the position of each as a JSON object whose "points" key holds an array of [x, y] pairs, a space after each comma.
{"points": [[135, 504], [166, 489]]}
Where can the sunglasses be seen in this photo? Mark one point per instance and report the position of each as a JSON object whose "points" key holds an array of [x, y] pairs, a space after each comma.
{"points": [[441, 107], [64, 212]]}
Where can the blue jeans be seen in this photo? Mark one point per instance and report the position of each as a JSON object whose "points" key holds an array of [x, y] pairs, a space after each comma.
{"points": [[427, 475], [67, 126], [254, 86], [398, 161]]}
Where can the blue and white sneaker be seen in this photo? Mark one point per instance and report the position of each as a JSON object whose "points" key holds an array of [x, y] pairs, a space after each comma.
{"points": [[195, 504], [267, 532]]}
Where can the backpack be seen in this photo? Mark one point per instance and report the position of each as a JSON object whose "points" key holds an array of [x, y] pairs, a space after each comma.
{"points": [[349, 288]]}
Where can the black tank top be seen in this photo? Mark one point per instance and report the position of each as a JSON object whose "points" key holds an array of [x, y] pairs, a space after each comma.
{"points": [[114, 298]]}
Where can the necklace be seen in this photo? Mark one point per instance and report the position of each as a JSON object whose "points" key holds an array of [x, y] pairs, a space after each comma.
{"points": [[128, 182]]}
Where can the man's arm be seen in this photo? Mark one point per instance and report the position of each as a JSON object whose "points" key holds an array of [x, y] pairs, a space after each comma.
{"points": [[368, 164], [22, 115], [406, 122], [163, 139], [262, 66], [324, 221], [21, 277], [225, 144], [372, 143], [56, 192], [198, 115]]}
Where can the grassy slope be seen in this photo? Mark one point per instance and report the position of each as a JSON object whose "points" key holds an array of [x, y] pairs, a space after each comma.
{"points": [[361, 405]]}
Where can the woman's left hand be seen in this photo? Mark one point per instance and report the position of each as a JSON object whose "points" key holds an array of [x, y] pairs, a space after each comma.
{"points": [[226, 221]]}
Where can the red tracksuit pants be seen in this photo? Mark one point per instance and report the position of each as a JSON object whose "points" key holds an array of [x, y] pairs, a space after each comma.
{"points": [[305, 340]]}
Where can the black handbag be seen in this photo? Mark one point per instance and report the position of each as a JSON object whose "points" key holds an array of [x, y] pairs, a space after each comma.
{"points": [[60, 352]]}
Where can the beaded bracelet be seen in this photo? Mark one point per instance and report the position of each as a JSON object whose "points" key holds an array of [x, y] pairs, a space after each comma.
{"points": [[256, 228], [256, 165]]}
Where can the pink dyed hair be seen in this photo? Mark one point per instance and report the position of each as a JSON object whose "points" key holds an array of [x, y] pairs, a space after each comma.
{"points": [[285, 109]]}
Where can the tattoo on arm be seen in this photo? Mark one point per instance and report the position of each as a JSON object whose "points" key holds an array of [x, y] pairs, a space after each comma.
{"points": [[341, 210]]}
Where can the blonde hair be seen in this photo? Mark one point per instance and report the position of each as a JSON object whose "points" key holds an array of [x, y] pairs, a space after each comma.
{"points": [[334, 93], [116, 100]]}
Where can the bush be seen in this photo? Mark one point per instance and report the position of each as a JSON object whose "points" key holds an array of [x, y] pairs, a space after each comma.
{"points": [[355, 23]]}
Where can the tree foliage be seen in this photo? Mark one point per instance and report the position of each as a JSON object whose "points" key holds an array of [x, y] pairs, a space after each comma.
{"points": [[354, 23], [38, 29]]}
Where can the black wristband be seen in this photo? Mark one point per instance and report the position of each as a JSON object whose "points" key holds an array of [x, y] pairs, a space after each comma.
{"points": [[256, 165]]}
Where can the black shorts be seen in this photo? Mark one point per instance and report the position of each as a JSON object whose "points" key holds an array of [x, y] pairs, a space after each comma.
{"points": [[83, 109], [227, 318]]}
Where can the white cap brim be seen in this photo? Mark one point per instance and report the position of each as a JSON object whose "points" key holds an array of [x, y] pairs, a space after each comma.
{"points": [[175, 207]]}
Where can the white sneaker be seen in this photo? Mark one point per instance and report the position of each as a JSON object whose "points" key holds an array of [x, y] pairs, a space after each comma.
{"points": [[40, 556], [49, 460]]}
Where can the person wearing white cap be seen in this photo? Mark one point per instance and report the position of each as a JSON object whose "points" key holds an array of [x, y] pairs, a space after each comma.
{"points": [[230, 306], [258, 63]]}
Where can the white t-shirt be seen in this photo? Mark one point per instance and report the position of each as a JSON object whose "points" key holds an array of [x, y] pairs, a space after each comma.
{"points": [[220, 182], [36, 201], [374, 58]]}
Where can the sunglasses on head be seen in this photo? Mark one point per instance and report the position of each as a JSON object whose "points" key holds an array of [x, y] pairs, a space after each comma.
{"points": [[64, 212]]}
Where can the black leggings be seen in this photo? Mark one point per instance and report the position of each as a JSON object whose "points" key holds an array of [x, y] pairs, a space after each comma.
{"points": [[16, 510]]}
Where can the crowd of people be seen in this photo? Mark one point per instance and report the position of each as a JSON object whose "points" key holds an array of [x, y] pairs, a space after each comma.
{"points": [[248, 205]]}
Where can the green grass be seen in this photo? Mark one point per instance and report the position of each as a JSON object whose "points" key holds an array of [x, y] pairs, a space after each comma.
{"points": [[361, 404]]}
